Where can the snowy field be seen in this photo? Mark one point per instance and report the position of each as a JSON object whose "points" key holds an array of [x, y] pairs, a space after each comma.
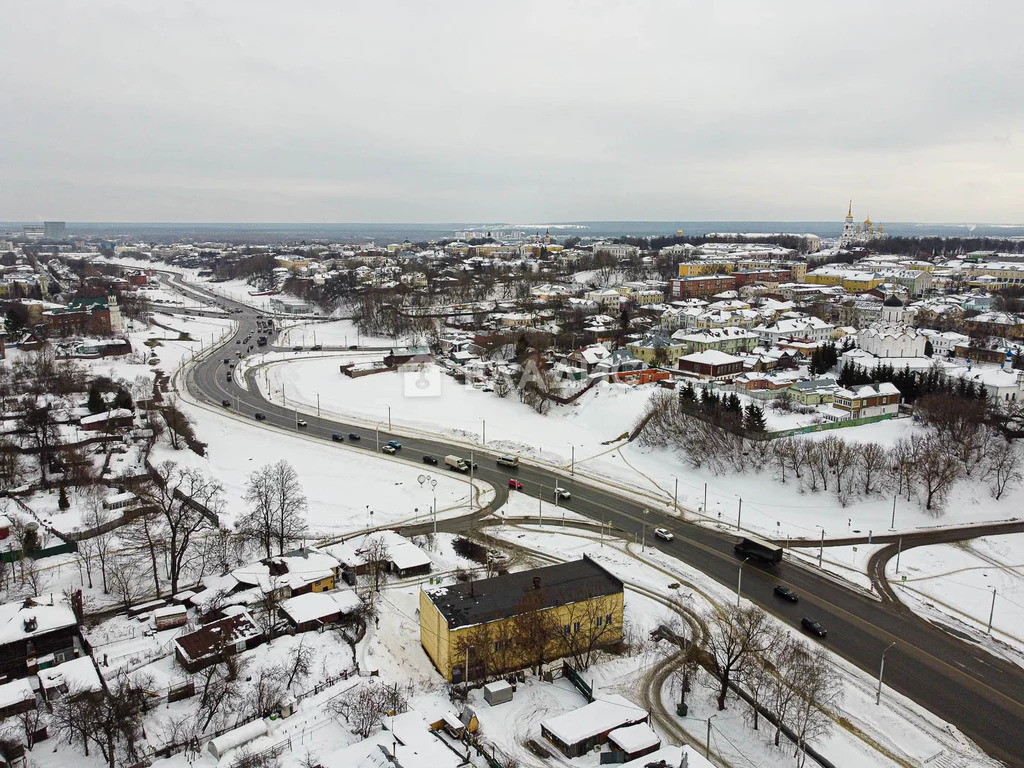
{"points": [[591, 432], [343, 485], [336, 333], [959, 579]]}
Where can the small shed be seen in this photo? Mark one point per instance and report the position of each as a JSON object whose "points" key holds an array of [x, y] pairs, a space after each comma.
{"points": [[16, 697], [576, 733], [498, 692], [236, 738], [120, 500], [635, 740], [171, 616]]}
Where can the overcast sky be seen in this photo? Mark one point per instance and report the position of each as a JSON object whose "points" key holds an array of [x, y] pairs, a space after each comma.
{"points": [[511, 112]]}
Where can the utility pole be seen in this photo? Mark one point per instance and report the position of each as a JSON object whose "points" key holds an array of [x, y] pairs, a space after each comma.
{"points": [[739, 514], [881, 669], [992, 612], [899, 548], [707, 742], [675, 496], [892, 525]]}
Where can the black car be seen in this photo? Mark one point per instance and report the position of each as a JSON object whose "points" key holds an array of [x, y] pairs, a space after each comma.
{"points": [[813, 627], [430, 460], [353, 436], [353, 346], [296, 348], [316, 348], [226, 403], [259, 417], [786, 593], [336, 437]]}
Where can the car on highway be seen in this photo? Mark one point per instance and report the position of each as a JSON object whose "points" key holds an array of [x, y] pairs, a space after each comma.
{"points": [[561, 494], [226, 403], [785, 593], [395, 444], [353, 346], [316, 348], [336, 437], [388, 449], [353, 436], [430, 460], [259, 416], [296, 348], [238, 341], [227, 361], [664, 533], [813, 627], [515, 484], [301, 423]]}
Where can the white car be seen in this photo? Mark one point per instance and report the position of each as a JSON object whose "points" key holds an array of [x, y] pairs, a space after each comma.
{"points": [[664, 533], [302, 423], [388, 449], [562, 494]]}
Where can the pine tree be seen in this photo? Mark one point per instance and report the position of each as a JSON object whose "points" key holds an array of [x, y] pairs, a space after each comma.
{"points": [[929, 350], [96, 404], [62, 500], [753, 419]]}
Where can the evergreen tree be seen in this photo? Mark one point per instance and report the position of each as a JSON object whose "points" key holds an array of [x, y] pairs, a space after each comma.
{"points": [[96, 403], [688, 394], [753, 419], [982, 393], [929, 350], [62, 500], [733, 404], [124, 400]]}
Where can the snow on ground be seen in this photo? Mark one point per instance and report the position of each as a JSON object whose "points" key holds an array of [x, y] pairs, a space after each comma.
{"points": [[603, 415], [343, 485], [959, 580], [848, 562], [902, 727], [336, 333]]}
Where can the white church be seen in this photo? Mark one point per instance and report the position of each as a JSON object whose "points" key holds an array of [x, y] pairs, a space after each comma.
{"points": [[892, 336], [859, 234]]}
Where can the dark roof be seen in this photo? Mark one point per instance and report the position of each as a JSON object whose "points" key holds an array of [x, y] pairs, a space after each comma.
{"points": [[478, 602], [216, 635], [892, 301]]}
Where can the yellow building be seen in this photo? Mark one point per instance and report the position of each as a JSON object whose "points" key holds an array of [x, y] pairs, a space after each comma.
{"points": [[656, 348], [522, 619], [697, 268]]}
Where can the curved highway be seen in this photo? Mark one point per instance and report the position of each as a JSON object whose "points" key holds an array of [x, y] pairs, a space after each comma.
{"points": [[961, 683]]}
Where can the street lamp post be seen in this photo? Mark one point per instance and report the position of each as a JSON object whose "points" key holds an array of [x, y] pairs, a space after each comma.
{"points": [[892, 524], [881, 669], [389, 418], [318, 405], [739, 581], [376, 433], [643, 540], [991, 612], [739, 514], [572, 460], [821, 546], [675, 496], [707, 741]]}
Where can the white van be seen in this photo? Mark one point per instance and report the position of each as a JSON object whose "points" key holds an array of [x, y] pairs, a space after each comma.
{"points": [[508, 461]]}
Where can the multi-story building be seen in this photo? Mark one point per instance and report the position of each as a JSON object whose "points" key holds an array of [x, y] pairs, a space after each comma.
{"points": [[731, 340], [515, 620], [700, 286], [864, 401]]}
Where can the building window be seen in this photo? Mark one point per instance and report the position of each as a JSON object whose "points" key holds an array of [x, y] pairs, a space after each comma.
{"points": [[567, 629], [576, 627], [599, 620], [608, 619]]}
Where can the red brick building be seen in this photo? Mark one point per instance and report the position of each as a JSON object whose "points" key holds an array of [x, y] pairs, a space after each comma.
{"points": [[700, 286], [711, 364]]}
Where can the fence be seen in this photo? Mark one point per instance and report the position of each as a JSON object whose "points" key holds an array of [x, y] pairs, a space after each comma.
{"points": [[830, 425], [576, 679]]}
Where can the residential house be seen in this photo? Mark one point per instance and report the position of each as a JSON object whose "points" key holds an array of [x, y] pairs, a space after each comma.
{"points": [[314, 610], [700, 286], [576, 733], [863, 401], [580, 596], [731, 340], [711, 364], [656, 348], [36, 633], [811, 328], [214, 642], [813, 392]]}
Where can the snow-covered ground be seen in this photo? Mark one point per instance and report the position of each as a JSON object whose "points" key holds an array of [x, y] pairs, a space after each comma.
{"points": [[343, 485], [959, 580], [336, 333], [590, 431]]}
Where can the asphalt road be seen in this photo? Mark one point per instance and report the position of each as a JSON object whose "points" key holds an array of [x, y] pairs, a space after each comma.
{"points": [[979, 693]]}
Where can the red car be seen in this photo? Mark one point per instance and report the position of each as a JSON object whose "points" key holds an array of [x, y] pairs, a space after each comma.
{"points": [[515, 484]]}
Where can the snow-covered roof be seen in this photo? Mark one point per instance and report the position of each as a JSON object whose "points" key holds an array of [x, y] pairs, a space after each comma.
{"points": [[410, 737], [49, 612], [316, 605], [633, 738], [599, 716], [99, 418], [711, 357], [402, 552], [79, 675], [16, 692]]}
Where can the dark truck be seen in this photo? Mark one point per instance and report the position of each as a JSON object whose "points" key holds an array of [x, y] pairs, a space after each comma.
{"points": [[750, 546]]}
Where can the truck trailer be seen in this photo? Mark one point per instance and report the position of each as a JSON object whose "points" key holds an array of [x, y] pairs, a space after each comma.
{"points": [[456, 462], [751, 546]]}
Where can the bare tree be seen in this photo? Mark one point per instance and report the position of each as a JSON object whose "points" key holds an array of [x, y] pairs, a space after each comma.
{"points": [[37, 421], [182, 498], [363, 710], [938, 470], [872, 460], [300, 662], [11, 469], [125, 579], [735, 635], [839, 459], [902, 462], [376, 555], [219, 692], [820, 689], [591, 626], [786, 656], [278, 503], [1002, 465], [535, 628]]}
